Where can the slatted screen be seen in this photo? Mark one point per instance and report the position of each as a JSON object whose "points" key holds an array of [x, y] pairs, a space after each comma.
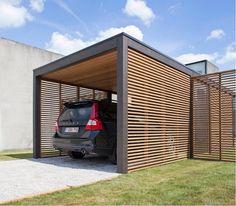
{"points": [[85, 93], [50, 109], [53, 96], [68, 92], [99, 95], [158, 112], [214, 116]]}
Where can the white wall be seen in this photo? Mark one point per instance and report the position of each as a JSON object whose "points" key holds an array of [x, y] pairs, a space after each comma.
{"points": [[17, 62], [211, 68]]}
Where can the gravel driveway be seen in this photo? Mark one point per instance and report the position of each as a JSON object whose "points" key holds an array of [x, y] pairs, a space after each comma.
{"points": [[21, 178]]}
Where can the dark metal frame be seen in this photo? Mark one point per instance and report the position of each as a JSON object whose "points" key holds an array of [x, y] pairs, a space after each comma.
{"points": [[121, 43]]}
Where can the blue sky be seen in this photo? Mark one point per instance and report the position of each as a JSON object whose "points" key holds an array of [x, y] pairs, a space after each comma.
{"points": [[187, 30]]}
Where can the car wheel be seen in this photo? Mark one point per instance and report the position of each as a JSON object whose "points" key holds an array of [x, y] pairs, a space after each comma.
{"points": [[113, 156], [76, 155]]}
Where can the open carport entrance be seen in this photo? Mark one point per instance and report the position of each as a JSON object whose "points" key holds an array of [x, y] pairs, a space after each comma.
{"points": [[91, 73]]}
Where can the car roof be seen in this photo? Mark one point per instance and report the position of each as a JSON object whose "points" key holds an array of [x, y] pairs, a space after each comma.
{"points": [[83, 102], [77, 102]]}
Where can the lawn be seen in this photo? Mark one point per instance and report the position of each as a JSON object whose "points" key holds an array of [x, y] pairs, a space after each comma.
{"points": [[188, 182], [15, 154]]}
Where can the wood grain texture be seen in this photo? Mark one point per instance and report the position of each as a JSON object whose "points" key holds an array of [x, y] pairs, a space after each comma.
{"points": [[213, 116], [158, 112], [98, 72], [50, 109]]}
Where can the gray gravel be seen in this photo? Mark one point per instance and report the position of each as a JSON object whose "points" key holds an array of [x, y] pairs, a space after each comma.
{"points": [[22, 178]]}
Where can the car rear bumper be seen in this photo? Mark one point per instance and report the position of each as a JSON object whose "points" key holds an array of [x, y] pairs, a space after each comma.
{"points": [[76, 145]]}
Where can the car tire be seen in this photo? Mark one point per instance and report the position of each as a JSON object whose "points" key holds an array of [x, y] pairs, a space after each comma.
{"points": [[76, 155], [113, 156]]}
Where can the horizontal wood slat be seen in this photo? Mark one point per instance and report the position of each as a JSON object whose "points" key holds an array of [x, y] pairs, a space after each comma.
{"points": [[50, 109], [158, 112], [214, 116]]}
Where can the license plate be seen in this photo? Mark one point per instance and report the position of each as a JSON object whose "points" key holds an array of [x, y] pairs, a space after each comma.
{"points": [[72, 129]]}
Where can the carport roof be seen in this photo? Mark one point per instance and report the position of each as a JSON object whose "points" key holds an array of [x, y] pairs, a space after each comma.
{"points": [[114, 43]]}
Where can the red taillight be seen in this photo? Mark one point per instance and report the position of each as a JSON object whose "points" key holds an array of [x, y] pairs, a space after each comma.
{"points": [[94, 122]]}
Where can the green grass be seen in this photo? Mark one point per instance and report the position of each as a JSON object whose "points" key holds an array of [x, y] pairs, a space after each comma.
{"points": [[188, 182], [15, 154]]}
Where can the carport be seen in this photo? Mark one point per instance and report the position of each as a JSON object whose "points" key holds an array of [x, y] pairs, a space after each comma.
{"points": [[153, 99]]}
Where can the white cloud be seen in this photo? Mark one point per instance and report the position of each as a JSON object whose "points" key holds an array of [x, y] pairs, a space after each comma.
{"points": [[37, 5], [12, 2], [229, 55], [223, 58], [216, 34], [12, 14], [66, 44], [190, 57], [131, 30], [139, 9]]}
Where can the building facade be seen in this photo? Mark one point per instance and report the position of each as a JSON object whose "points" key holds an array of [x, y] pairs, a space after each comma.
{"points": [[16, 86]]}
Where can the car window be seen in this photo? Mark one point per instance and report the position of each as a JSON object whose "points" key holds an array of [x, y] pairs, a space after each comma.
{"points": [[79, 115]]}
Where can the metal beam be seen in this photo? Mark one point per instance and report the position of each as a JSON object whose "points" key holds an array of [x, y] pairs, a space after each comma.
{"points": [[107, 45], [122, 105], [36, 117], [153, 53], [79, 56]]}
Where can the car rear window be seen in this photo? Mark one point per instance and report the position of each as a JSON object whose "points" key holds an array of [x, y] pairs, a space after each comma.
{"points": [[79, 115]]}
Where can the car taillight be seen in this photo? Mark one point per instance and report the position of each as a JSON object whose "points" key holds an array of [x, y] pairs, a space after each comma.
{"points": [[94, 122], [56, 127]]}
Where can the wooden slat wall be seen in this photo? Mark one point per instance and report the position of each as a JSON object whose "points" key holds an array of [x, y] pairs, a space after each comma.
{"points": [[205, 121], [99, 95], [227, 136], [68, 92], [158, 112], [213, 116], [85, 93], [228, 101], [53, 96], [213, 119], [50, 109]]}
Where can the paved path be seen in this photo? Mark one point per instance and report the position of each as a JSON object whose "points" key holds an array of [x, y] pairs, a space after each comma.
{"points": [[26, 177]]}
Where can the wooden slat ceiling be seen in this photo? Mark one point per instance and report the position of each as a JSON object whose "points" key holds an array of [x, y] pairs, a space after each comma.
{"points": [[97, 73]]}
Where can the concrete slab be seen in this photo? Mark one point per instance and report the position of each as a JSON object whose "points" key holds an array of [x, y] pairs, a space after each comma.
{"points": [[28, 177]]}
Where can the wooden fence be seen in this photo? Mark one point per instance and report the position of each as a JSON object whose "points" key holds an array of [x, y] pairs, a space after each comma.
{"points": [[158, 112], [213, 121]]}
